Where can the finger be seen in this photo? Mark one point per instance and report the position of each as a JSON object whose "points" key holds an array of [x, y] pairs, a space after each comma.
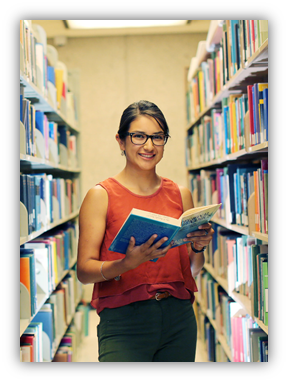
{"points": [[199, 240], [205, 226], [149, 242], [131, 244], [161, 252], [196, 234], [160, 242]]}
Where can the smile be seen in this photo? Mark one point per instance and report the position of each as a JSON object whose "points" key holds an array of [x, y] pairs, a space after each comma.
{"points": [[147, 156]]}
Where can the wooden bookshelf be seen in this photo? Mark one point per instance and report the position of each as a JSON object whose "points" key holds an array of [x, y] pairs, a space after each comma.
{"points": [[254, 70]]}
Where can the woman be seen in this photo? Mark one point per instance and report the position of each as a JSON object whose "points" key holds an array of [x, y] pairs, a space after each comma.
{"points": [[145, 307]]}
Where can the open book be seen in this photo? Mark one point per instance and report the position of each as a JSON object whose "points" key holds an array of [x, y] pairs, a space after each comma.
{"points": [[142, 225]]}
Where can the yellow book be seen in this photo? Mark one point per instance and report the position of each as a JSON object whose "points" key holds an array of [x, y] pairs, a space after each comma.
{"points": [[59, 85], [233, 122]]}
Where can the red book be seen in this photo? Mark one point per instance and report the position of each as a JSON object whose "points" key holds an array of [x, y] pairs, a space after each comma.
{"points": [[28, 339], [251, 115], [257, 208], [252, 29]]}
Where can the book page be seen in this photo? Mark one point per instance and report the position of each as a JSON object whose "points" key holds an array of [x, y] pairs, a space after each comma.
{"points": [[198, 214], [154, 216]]}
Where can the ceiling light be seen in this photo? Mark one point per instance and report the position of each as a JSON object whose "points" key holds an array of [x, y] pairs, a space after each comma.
{"points": [[93, 24]]}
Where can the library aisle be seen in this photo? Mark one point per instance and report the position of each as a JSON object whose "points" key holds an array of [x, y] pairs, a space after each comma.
{"points": [[88, 350]]}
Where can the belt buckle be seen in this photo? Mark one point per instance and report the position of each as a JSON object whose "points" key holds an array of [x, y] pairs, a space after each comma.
{"points": [[157, 295]]}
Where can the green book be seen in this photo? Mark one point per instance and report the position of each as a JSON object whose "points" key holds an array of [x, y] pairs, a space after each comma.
{"points": [[256, 249]]}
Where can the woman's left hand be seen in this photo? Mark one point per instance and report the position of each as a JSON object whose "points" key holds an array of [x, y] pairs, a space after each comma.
{"points": [[202, 237]]}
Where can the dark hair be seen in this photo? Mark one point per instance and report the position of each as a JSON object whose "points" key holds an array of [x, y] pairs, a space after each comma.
{"points": [[141, 108]]}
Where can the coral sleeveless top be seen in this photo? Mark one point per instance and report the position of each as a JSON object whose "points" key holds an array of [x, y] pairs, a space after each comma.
{"points": [[171, 273]]}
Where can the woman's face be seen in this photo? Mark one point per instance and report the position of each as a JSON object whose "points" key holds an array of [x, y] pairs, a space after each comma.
{"points": [[147, 155]]}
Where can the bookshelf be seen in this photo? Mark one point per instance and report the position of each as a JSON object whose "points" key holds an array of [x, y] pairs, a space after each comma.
{"points": [[224, 135], [51, 312]]}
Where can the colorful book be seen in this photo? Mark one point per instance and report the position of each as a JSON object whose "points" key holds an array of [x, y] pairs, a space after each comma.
{"points": [[251, 115]]}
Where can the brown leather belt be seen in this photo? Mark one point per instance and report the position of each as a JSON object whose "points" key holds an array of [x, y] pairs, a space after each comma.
{"points": [[159, 295]]}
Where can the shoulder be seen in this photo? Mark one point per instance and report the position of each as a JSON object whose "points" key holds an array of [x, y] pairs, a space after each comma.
{"points": [[95, 201], [186, 197]]}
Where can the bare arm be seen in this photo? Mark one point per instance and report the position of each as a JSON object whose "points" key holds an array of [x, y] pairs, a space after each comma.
{"points": [[199, 238], [92, 226]]}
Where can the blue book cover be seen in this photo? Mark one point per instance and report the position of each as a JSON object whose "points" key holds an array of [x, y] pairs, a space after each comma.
{"points": [[37, 202], [39, 119], [237, 197], [234, 48], [47, 319], [265, 98], [143, 224], [63, 135], [66, 249], [51, 74], [51, 130], [23, 190], [21, 108], [58, 185], [226, 140]]}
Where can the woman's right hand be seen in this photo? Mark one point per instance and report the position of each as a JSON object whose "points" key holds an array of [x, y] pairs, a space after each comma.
{"points": [[138, 254]]}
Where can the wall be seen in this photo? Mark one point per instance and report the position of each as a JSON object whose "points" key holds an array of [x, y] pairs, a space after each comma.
{"points": [[116, 71]]}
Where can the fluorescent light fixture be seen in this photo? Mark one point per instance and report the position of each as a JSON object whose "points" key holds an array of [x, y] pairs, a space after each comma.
{"points": [[94, 24]]}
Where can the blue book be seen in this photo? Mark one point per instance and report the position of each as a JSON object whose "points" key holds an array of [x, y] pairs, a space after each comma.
{"points": [[143, 224], [51, 74], [234, 24], [265, 99], [51, 130], [36, 202], [39, 119], [226, 135], [63, 135], [21, 108], [66, 249], [45, 316], [59, 197]]}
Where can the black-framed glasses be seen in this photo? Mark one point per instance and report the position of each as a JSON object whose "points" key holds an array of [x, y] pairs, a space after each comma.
{"points": [[141, 138]]}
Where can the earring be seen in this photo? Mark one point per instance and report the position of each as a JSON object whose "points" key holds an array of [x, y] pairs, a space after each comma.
{"points": [[123, 153]]}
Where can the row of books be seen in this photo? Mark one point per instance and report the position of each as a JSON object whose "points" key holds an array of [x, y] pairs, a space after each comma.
{"points": [[39, 131], [232, 186], [243, 261], [249, 342], [223, 316], [40, 65], [223, 132], [240, 39], [48, 199], [56, 314], [206, 83], [69, 345], [43, 262], [47, 337]]}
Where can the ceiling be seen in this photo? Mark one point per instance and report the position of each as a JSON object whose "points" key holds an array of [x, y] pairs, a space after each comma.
{"points": [[55, 28]]}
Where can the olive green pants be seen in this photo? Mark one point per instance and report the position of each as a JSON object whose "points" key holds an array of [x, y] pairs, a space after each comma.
{"points": [[148, 331]]}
